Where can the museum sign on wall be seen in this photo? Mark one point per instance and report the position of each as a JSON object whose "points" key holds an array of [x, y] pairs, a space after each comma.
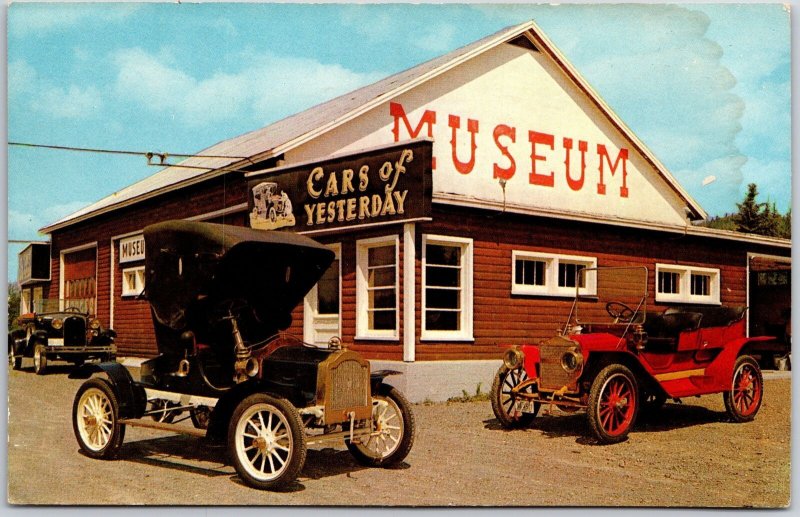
{"points": [[385, 185]]}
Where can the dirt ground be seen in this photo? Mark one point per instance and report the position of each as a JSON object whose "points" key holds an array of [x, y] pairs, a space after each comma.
{"points": [[687, 455]]}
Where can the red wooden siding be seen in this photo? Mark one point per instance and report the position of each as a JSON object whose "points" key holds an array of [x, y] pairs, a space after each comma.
{"points": [[499, 317]]}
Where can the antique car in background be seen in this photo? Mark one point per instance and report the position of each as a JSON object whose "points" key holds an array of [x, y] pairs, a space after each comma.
{"points": [[220, 297], [612, 359], [69, 335]]}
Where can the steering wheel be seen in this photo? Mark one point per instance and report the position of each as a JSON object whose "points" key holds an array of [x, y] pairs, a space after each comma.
{"points": [[620, 312], [72, 309]]}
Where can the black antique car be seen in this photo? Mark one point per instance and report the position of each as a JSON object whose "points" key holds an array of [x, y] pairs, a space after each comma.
{"points": [[69, 335], [220, 297]]}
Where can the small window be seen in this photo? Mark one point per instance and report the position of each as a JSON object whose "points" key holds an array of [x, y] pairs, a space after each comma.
{"points": [[530, 272], [701, 285], [376, 288], [687, 284], [568, 274], [446, 288], [669, 282], [547, 274], [133, 281]]}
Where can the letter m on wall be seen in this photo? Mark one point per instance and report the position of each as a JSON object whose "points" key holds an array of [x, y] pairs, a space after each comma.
{"points": [[398, 113]]}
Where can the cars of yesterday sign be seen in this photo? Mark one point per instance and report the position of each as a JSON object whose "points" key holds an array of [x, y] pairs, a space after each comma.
{"points": [[384, 185]]}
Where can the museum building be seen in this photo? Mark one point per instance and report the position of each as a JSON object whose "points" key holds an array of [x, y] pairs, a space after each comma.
{"points": [[460, 197]]}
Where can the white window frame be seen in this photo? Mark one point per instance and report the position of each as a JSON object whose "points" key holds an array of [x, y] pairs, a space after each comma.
{"points": [[310, 300], [551, 287], [684, 294], [465, 334], [137, 290], [362, 295]]}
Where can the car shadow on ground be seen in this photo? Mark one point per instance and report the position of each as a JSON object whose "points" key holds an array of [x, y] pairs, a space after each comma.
{"points": [[52, 369], [210, 459], [561, 424]]}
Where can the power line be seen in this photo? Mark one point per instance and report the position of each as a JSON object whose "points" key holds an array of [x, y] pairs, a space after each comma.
{"points": [[146, 154]]}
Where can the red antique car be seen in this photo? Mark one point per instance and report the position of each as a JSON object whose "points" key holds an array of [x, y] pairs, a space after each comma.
{"points": [[612, 358]]}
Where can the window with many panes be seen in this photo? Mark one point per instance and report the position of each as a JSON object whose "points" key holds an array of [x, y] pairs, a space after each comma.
{"points": [[446, 288], [377, 288], [548, 274], [687, 284]]}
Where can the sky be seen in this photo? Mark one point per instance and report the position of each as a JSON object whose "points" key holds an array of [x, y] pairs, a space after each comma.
{"points": [[705, 87]]}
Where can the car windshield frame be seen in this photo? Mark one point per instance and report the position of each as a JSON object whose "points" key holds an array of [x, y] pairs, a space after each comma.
{"points": [[624, 286]]}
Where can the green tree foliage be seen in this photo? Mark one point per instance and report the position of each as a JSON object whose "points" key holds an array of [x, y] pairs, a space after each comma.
{"points": [[724, 222], [13, 305], [760, 218], [755, 217]]}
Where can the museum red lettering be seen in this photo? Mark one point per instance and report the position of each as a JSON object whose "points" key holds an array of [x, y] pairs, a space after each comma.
{"points": [[622, 156], [511, 132], [472, 127], [543, 154], [398, 113], [574, 184], [535, 178]]}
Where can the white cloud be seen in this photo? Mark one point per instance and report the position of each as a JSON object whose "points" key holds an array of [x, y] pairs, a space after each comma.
{"points": [[27, 89], [774, 180], [23, 225], [22, 77], [722, 193], [25, 20], [382, 25], [266, 87], [71, 103]]}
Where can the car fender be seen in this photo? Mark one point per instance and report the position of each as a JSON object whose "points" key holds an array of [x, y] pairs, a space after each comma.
{"points": [[130, 395], [376, 377], [722, 366]]}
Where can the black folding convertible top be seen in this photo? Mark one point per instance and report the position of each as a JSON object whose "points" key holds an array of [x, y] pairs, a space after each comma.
{"points": [[193, 268]]}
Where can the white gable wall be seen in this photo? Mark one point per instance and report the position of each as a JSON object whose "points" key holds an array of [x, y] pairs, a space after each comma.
{"points": [[507, 89]]}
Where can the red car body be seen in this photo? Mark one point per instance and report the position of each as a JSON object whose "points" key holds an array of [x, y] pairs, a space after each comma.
{"points": [[614, 368]]}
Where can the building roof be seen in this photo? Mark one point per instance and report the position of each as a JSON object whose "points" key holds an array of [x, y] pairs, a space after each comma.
{"points": [[292, 131]]}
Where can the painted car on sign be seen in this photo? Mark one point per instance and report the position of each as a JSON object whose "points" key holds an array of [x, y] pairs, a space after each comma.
{"points": [[612, 359]]}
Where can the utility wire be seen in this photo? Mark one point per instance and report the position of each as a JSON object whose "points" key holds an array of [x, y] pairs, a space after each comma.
{"points": [[147, 154]]}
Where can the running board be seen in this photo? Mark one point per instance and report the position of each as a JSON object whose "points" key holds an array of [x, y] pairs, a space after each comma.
{"points": [[162, 426]]}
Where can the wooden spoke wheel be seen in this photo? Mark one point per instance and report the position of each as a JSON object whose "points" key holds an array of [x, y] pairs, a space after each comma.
{"points": [[613, 403], [504, 401], [743, 400], [95, 419], [392, 430], [266, 441]]}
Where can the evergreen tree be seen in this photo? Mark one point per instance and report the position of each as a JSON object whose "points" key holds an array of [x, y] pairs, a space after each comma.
{"points": [[785, 225], [750, 217]]}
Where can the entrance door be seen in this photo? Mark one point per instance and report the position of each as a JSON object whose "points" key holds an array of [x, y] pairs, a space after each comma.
{"points": [[78, 289], [322, 314], [770, 296]]}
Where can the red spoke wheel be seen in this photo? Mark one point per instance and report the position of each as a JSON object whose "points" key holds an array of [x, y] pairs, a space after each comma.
{"points": [[743, 400], [504, 402], [613, 403]]}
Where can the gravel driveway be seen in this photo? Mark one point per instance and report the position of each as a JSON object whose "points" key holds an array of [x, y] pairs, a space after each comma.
{"points": [[687, 455]]}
